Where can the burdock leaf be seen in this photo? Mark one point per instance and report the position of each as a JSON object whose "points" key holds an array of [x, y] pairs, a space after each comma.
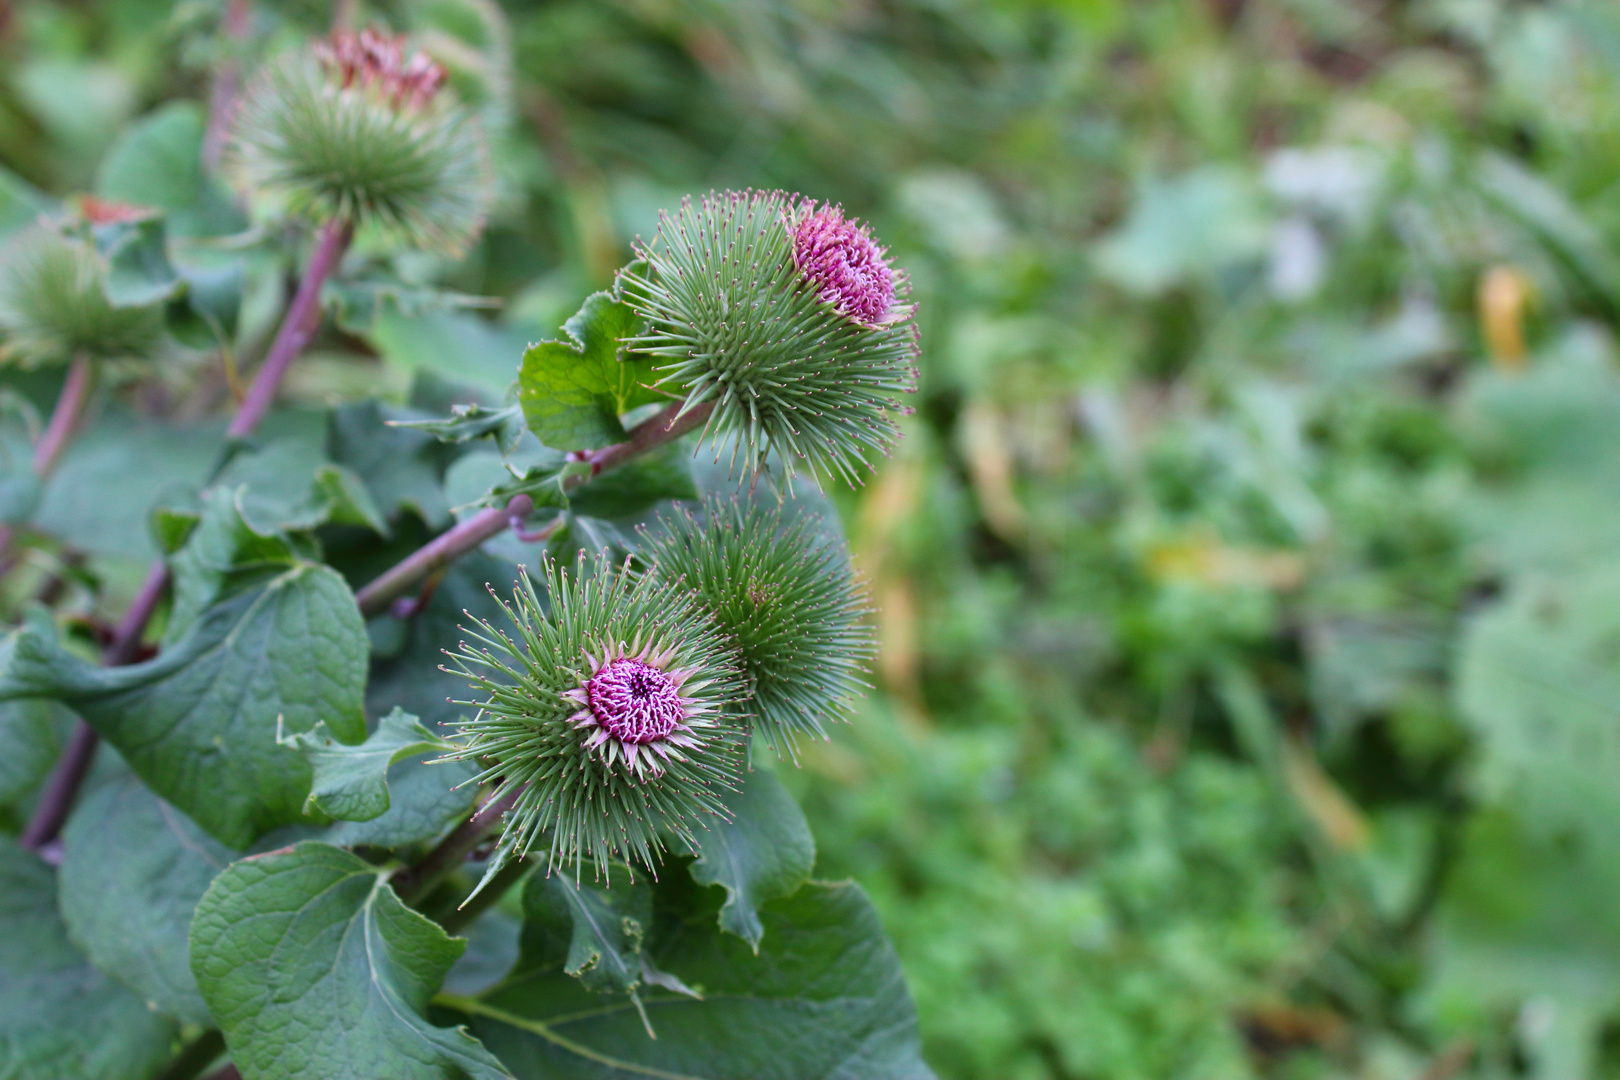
{"points": [[60, 1017], [403, 469], [133, 869], [824, 999], [32, 736], [20, 486], [426, 797], [351, 782], [314, 969], [138, 269], [764, 852], [198, 723], [594, 931], [157, 161], [574, 391]]}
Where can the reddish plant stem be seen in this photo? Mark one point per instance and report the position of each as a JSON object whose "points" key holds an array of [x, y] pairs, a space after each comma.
{"points": [[63, 786], [65, 417], [413, 882], [297, 327], [302, 320], [665, 427]]}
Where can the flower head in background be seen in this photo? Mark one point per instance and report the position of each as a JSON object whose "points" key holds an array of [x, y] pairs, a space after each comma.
{"points": [[54, 300], [786, 317], [787, 595], [611, 706], [360, 127]]}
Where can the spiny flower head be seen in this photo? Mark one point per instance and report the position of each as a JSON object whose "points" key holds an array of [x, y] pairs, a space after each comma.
{"points": [[360, 127], [787, 318], [615, 714], [53, 295], [788, 597]]}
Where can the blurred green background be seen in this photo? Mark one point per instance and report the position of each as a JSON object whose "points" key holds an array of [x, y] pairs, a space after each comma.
{"points": [[1249, 696]]}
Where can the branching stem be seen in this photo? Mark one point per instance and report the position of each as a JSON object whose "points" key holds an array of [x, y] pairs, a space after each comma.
{"points": [[414, 882], [65, 417], [665, 427]]}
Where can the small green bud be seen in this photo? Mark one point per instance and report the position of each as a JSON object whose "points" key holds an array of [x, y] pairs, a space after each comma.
{"points": [[53, 294], [788, 318], [357, 128], [790, 600], [614, 714]]}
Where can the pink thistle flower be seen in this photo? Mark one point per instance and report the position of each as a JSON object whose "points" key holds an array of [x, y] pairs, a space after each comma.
{"points": [[370, 58], [634, 710], [851, 270]]}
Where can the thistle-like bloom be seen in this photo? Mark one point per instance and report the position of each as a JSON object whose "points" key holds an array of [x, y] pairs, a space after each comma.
{"points": [[53, 298], [842, 260], [359, 127], [633, 703], [789, 598], [615, 714], [787, 317]]}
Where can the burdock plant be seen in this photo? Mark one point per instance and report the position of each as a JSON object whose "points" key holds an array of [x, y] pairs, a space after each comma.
{"points": [[787, 317], [612, 717]]}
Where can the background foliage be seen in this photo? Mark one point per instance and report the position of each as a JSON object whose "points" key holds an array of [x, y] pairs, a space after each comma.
{"points": [[1249, 573]]}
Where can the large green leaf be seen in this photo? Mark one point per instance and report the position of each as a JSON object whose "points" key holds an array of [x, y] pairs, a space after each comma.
{"points": [[351, 782], [133, 869], [764, 852], [198, 723], [824, 999], [60, 1018], [573, 392], [1538, 681], [426, 798], [314, 969], [158, 162], [32, 735], [19, 484], [454, 345], [21, 203], [403, 468], [113, 473], [595, 931]]}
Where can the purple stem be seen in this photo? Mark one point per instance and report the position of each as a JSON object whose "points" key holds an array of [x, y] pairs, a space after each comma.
{"points": [[297, 327], [70, 405], [374, 599], [58, 433], [74, 765], [414, 881], [303, 319]]}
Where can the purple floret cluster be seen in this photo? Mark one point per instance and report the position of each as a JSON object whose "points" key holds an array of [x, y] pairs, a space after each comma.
{"points": [[839, 257]]}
